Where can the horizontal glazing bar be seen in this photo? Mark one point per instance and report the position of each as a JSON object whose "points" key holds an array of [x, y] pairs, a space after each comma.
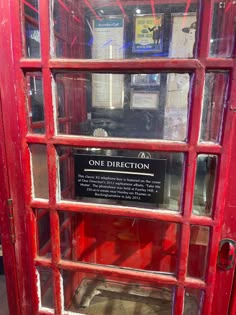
{"points": [[219, 63], [208, 148], [129, 273], [36, 138], [126, 64], [30, 64], [147, 64], [120, 143], [117, 143], [43, 262], [40, 204], [128, 212]]}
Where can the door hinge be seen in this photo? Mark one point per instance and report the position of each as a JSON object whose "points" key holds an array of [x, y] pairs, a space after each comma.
{"points": [[11, 221], [222, 5]]}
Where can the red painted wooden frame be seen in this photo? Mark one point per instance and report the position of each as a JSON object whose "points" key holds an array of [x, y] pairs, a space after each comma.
{"points": [[18, 150]]}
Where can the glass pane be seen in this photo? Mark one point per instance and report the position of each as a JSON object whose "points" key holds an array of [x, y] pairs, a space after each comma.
{"points": [[32, 32], [39, 170], [121, 29], [124, 177], [223, 29], [43, 233], [123, 105], [192, 301], [36, 122], [214, 103], [67, 236], [66, 175], [204, 184], [45, 287], [198, 251], [94, 294], [122, 242]]}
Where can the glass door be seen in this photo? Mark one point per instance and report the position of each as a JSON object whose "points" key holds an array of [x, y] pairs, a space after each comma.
{"points": [[125, 110]]}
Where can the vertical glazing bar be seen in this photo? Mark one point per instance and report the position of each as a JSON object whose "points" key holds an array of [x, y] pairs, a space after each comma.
{"points": [[193, 134], [54, 219], [179, 300], [52, 175], [183, 255], [190, 170], [210, 278], [55, 236], [205, 36], [196, 106], [45, 52], [206, 17], [45, 19], [49, 114]]}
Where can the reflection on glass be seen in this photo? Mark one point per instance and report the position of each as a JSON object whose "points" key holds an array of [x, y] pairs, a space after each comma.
{"points": [[192, 301], [39, 170], [36, 122], [213, 106], [46, 287], [223, 29], [67, 223], [204, 184], [43, 233], [117, 105], [120, 186], [198, 251], [92, 294], [32, 32], [122, 242], [66, 170], [117, 30]]}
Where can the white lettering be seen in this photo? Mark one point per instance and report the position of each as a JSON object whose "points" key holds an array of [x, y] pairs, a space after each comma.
{"points": [[96, 163]]}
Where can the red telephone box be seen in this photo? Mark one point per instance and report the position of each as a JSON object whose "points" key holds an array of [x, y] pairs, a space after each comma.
{"points": [[117, 156]]}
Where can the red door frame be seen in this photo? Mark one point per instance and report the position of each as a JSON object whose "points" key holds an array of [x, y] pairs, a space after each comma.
{"points": [[16, 257], [8, 242], [16, 151]]}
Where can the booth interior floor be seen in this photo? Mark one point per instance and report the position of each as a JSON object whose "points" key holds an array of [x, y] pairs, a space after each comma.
{"points": [[116, 306], [3, 297]]}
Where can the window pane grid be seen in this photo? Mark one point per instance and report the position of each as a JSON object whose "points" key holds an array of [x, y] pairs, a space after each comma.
{"points": [[183, 251]]}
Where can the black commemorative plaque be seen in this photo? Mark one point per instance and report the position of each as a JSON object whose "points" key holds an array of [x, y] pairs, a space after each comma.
{"points": [[120, 178]]}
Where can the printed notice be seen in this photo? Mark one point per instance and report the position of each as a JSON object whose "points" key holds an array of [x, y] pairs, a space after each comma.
{"points": [[108, 42], [142, 100], [148, 33], [120, 178]]}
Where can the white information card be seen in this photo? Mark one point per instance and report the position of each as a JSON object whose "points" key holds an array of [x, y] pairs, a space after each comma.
{"points": [[108, 41]]}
